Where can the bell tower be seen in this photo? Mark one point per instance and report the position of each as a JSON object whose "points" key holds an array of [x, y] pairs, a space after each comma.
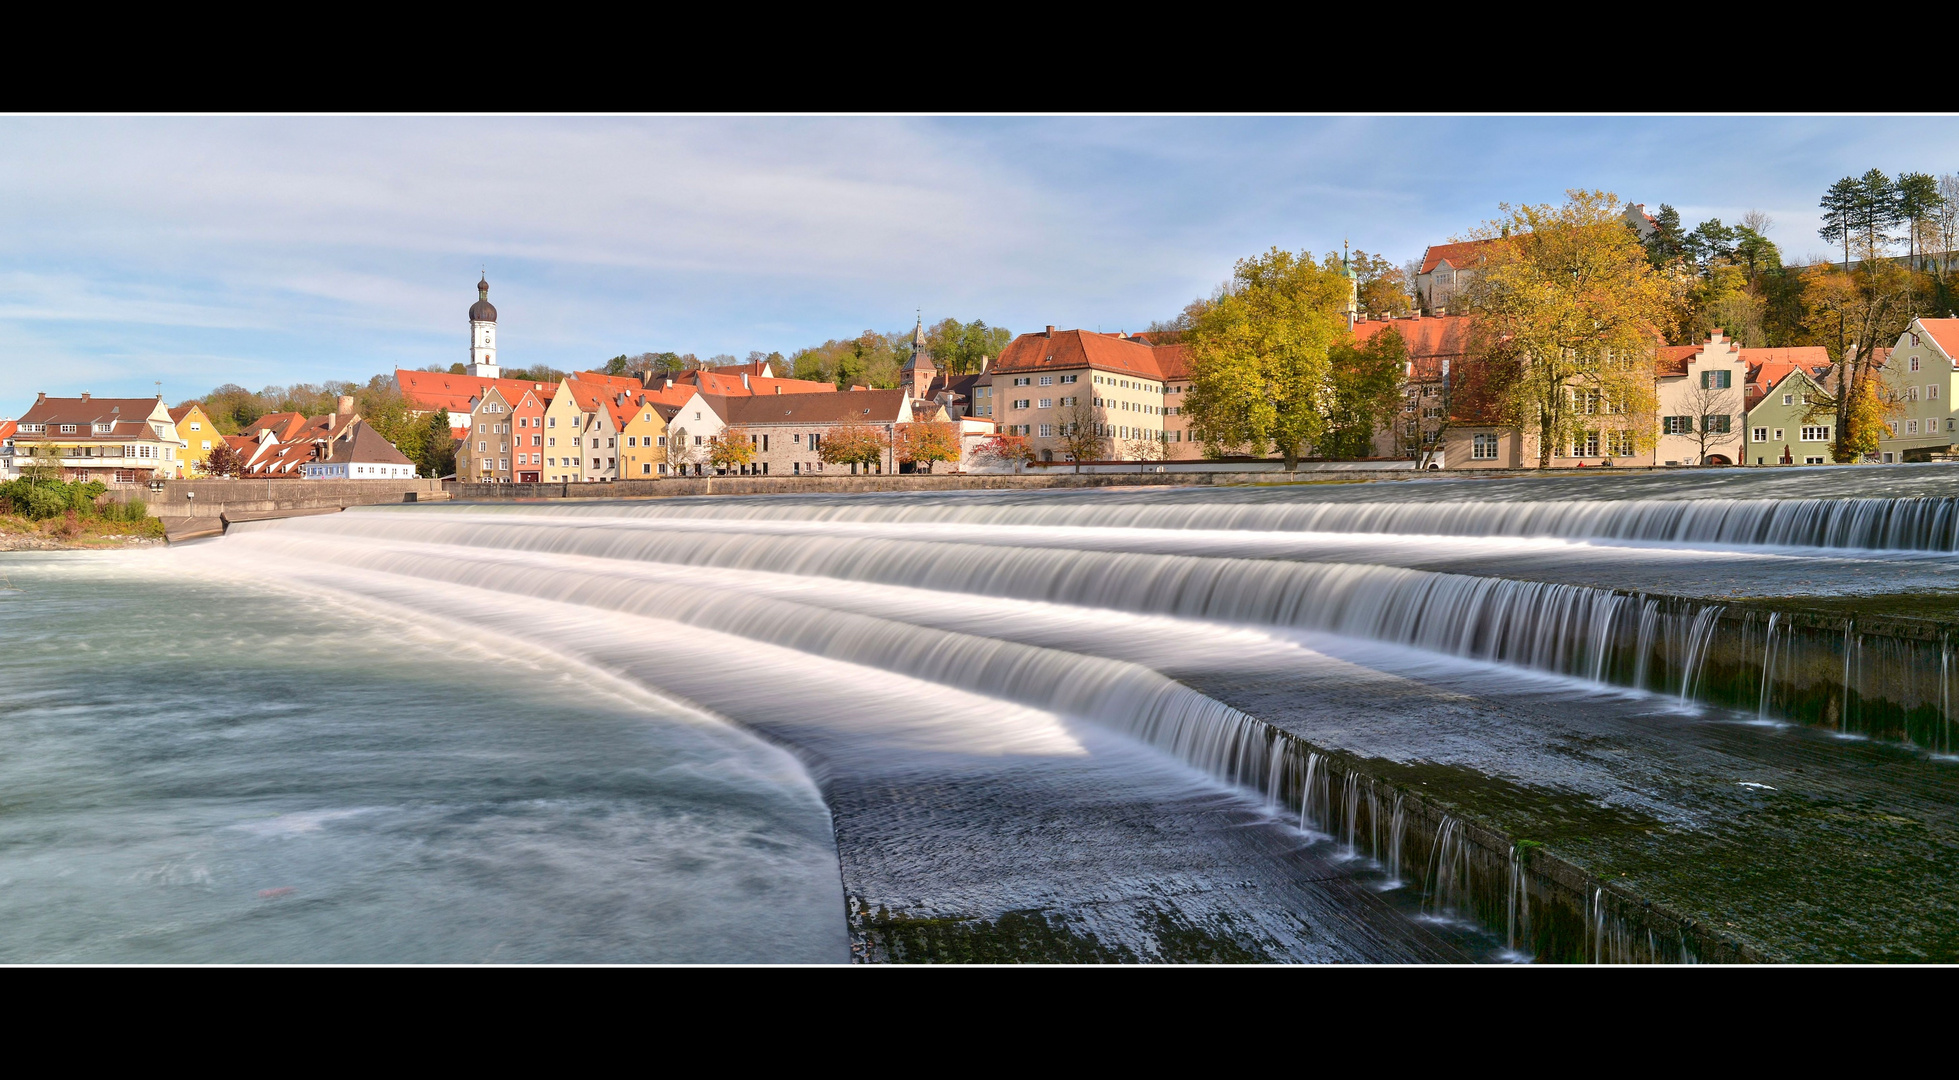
{"points": [[483, 334]]}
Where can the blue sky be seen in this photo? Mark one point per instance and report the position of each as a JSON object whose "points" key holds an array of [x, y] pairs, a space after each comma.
{"points": [[198, 251]]}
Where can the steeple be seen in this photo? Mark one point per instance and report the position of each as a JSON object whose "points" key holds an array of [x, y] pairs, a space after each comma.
{"points": [[919, 371], [483, 333], [1353, 286]]}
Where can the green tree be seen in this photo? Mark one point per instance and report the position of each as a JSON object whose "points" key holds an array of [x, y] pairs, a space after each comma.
{"points": [[1918, 201], [438, 454], [1666, 245], [1839, 205], [616, 365], [957, 347], [1258, 356], [1367, 381]]}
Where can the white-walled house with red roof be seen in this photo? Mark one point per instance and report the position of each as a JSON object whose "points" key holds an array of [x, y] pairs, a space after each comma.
{"points": [[114, 440]]}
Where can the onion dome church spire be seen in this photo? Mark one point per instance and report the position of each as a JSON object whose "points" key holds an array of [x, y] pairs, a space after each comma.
{"points": [[483, 333]]}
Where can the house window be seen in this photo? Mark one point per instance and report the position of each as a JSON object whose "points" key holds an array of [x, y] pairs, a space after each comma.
{"points": [[663, 440], [1761, 434], [1047, 380], [1778, 434], [482, 446], [697, 440], [1914, 363], [1021, 380], [1893, 426], [646, 469], [1819, 433], [1676, 425], [1020, 403], [1619, 443], [1047, 431], [1715, 380], [1788, 400], [1813, 461], [1071, 378], [1931, 391], [67, 429], [1716, 424], [1047, 403]]}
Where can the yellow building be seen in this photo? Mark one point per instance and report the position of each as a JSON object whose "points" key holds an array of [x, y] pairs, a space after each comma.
{"points": [[564, 452], [197, 434], [643, 445]]}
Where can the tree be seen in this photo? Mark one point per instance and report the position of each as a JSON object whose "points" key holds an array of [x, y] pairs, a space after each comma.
{"points": [[223, 461], [1145, 450], [957, 347], [438, 454], [458, 368], [1666, 245], [616, 365], [1081, 432], [1258, 356], [1567, 300], [1710, 242], [1918, 201], [680, 451], [1863, 312], [1714, 412], [1382, 288], [1367, 383], [1839, 206], [1004, 451], [924, 444], [730, 450], [853, 443]]}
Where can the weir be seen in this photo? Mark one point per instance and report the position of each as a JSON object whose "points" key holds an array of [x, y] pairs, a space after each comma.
{"points": [[1074, 606]]}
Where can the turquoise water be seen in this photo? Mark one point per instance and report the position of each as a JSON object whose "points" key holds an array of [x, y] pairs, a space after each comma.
{"points": [[199, 767]]}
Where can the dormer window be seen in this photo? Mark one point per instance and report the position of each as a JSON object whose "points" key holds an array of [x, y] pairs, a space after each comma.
{"points": [[67, 429], [104, 429]]}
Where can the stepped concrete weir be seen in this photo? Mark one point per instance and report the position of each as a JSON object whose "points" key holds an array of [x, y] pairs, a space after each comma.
{"points": [[1702, 717]]}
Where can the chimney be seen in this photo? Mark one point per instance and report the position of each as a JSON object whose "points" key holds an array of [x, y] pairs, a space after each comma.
{"points": [[669, 384], [982, 363], [1050, 332], [43, 396], [84, 395], [345, 406], [744, 380], [778, 389]]}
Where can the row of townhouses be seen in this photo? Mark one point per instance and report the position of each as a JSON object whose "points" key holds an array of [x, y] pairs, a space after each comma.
{"points": [[121, 441]]}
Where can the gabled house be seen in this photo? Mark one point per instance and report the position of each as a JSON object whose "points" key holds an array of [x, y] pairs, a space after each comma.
{"points": [[1781, 385], [1702, 403], [358, 452], [504, 442], [1445, 272], [198, 434], [1920, 376], [114, 440]]}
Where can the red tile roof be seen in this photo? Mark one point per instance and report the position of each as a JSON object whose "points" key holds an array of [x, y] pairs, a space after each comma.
{"points": [[1945, 332], [432, 390], [513, 390], [1672, 360], [1468, 253], [1078, 349], [725, 384], [1440, 335], [7, 427], [1172, 361]]}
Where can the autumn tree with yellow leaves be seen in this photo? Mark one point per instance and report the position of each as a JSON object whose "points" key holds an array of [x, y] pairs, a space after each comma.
{"points": [[1568, 305]]}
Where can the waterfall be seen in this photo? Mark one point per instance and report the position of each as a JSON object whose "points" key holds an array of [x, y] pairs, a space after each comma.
{"points": [[1907, 524]]}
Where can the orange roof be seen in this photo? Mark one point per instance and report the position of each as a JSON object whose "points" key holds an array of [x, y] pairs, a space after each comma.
{"points": [[513, 390], [1945, 332], [1173, 361], [1768, 367], [1460, 255], [7, 427], [1076, 349], [1672, 359], [432, 390], [284, 426], [723, 384], [614, 382], [1439, 335], [178, 414]]}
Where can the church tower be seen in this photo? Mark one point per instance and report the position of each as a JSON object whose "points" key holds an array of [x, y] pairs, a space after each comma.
{"points": [[483, 334], [919, 371]]}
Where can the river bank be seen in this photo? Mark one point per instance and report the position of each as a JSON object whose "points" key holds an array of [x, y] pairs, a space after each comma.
{"points": [[20, 534]]}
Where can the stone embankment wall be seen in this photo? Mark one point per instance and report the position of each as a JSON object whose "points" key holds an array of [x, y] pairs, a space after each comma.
{"points": [[216, 498]]}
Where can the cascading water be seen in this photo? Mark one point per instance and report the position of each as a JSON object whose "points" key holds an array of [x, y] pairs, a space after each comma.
{"points": [[887, 640]]}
